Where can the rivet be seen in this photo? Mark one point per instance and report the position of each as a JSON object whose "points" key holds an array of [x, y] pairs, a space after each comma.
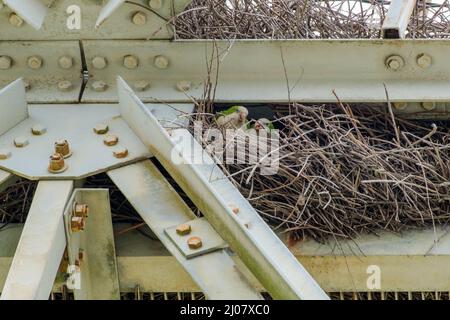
{"points": [[141, 85], [57, 163], [64, 85], [99, 86], [184, 229], [111, 140], [428, 105], [120, 152], [65, 62], [21, 142], [194, 243], [101, 128], [62, 147], [5, 62], [99, 62], [424, 60], [184, 86], [34, 62], [394, 63], [77, 224], [38, 130], [15, 20], [139, 18], [4, 154], [400, 105], [161, 62], [155, 4], [130, 62]]}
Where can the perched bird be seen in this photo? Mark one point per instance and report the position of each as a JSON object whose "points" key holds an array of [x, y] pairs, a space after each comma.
{"points": [[232, 118], [264, 124]]}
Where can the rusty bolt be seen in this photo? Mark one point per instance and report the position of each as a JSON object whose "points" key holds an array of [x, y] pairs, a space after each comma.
{"points": [[77, 224], [424, 60], [183, 85], [111, 140], [21, 142], [57, 163], [62, 147], [101, 128], [194, 243], [234, 209], [161, 62], [155, 4], [99, 86], [400, 105], [120, 153], [139, 18], [99, 62], [34, 62], [394, 63], [141, 85], [15, 20], [130, 62], [4, 154], [65, 62], [184, 229], [428, 105], [81, 210], [5, 62], [65, 85], [38, 130]]}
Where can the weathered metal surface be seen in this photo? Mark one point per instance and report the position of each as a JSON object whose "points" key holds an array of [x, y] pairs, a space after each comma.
{"points": [[41, 245], [6, 179], [258, 247], [161, 207], [32, 11], [397, 18], [75, 123], [98, 265], [13, 105]]}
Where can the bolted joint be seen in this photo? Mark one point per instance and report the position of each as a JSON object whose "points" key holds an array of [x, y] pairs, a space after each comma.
{"points": [[111, 140], [80, 210], [77, 224], [394, 63], [99, 86], [155, 4], [161, 62], [424, 60], [4, 154], [99, 62], [15, 20], [130, 62], [184, 229], [65, 62], [38, 130], [65, 85], [57, 163], [194, 243], [120, 153], [21, 142], [34, 62], [62, 147]]}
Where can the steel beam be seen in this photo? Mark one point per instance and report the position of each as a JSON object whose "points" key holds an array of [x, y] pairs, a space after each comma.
{"points": [[32, 11], [41, 245], [257, 246], [397, 19]]}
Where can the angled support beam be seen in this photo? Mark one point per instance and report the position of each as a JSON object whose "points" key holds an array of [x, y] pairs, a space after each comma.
{"points": [[397, 19], [13, 105], [6, 179], [41, 245], [32, 11], [248, 235]]}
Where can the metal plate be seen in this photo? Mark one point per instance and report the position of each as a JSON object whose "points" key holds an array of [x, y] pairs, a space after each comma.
{"points": [[33, 11], [74, 123], [202, 229], [13, 106]]}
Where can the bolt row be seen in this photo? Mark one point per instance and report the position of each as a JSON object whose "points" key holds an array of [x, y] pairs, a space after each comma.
{"points": [[428, 105], [396, 62], [130, 62], [35, 62]]}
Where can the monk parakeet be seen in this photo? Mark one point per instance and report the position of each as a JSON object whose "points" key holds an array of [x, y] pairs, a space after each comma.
{"points": [[264, 124], [234, 117]]}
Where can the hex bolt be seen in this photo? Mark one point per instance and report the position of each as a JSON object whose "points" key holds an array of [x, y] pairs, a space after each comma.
{"points": [[4, 154], [400, 105], [120, 153], [80, 210], [161, 62], [184, 86], [101, 128], [99, 62], [5, 62], [77, 224], [62, 147], [65, 62], [424, 60], [184, 229], [21, 142], [155, 4], [15, 20], [394, 63], [34, 62], [130, 62], [65, 85], [139, 18], [111, 140], [99, 86], [141, 85], [57, 163], [38, 130], [194, 243], [428, 105]]}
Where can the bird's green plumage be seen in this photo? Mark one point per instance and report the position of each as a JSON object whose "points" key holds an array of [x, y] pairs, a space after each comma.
{"points": [[229, 111]]}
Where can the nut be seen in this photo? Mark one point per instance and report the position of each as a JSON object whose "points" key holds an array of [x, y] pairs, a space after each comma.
{"points": [[4, 154], [65, 62], [130, 62], [428, 105], [184, 229], [120, 153], [394, 63], [57, 163], [141, 85], [101, 128], [21, 142], [161, 62], [5, 62], [184, 86], [34, 62], [139, 18], [99, 86], [194, 243], [99, 62], [15, 20], [424, 60], [155, 4], [400, 105], [62, 147], [38, 130], [81, 210], [111, 140], [64, 85], [77, 224]]}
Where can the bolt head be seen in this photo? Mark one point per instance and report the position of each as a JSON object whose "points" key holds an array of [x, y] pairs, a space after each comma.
{"points": [[62, 148], [77, 224], [57, 163], [5, 62], [38, 130], [141, 85], [424, 60], [64, 85], [194, 243], [155, 4], [120, 152], [34, 62], [21, 142], [394, 63], [101, 128], [184, 86], [65, 62], [234, 209], [99, 62], [111, 140], [184, 229], [99, 86], [161, 62], [400, 105], [4, 154], [15, 20], [130, 62], [139, 18], [81, 210], [428, 105]]}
